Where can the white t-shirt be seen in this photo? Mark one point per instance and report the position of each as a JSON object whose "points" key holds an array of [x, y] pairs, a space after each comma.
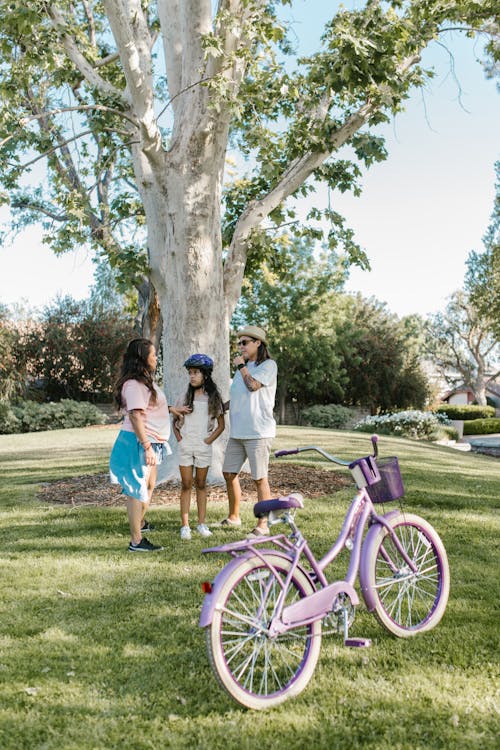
{"points": [[136, 395], [251, 412]]}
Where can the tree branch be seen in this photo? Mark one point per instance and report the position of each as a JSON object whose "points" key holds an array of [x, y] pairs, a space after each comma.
{"points": [[133, 40], [66, 142], [78, 59], [28, 205], [297, 172], [292, 178]]}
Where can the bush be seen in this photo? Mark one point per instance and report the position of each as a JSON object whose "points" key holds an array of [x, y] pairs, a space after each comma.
{"points": [[482, 426], [413, 424], [9, 423], [332, 416], [465, 412], [29, 416]]}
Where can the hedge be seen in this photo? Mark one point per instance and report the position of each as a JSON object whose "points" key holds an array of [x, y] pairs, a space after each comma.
{"points": [[30, 416], [466, 412], [482, 426], [331, 416]]}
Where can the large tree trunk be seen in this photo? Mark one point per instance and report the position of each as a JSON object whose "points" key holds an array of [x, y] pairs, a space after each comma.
{"points": [[185, 250]]}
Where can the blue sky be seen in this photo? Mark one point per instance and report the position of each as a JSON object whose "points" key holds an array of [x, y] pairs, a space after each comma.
{"points": [[420, 212]]}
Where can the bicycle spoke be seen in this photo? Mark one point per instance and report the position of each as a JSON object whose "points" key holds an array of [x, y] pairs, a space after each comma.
{"points": [[261, 665]]}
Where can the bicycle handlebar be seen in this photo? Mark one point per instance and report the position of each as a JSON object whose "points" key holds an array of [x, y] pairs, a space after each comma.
{"points": [[328, 456]]}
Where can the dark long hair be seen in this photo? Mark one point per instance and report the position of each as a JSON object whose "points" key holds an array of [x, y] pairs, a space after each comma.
{"points": [[135, 367], [262, 353], [215, 404]]}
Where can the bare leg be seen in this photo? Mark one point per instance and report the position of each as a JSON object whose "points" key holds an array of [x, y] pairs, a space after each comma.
{"points": [[233, 495], [263, 493], [135, 512], [201, 493], [153, 472], [187, 483], [136, 509]]}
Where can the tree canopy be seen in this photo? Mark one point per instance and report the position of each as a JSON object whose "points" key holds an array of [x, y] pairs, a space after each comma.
{"points": [[116, 118]]}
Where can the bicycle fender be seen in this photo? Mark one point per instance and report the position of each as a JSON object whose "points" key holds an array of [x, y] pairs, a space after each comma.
{"points": [[210, 602], [370, 539]]}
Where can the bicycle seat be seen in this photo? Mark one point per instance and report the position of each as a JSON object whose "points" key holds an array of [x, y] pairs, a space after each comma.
{"points": [[263, 507]]}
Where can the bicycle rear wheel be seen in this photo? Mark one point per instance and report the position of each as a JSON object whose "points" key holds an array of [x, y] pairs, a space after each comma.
{"points": [[256, 670], [405, 602]]}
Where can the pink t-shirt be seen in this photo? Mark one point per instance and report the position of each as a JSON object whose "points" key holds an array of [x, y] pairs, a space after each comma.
{"points": [[156, 417]]}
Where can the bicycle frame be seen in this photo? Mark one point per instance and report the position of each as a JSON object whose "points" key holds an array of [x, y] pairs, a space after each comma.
{"points": [[318, 604]]}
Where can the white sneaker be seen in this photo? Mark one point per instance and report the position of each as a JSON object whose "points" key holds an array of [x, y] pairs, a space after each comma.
{"points": [[203, 530], [185, 533]]}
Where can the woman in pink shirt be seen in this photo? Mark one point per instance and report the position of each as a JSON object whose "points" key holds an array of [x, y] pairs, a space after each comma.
{"points": [[142, 442]]}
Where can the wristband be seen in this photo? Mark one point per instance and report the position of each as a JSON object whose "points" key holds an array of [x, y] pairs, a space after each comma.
{"points": [[241, 366]]}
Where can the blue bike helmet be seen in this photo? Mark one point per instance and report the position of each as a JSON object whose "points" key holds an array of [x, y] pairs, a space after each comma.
{"points": [[200, 362]]}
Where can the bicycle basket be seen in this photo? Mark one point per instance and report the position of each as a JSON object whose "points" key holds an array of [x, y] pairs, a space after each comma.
{"points": [[390, 486]]}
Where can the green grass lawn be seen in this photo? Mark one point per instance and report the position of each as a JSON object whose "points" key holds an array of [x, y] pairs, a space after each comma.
{"points": [[101, 649]]}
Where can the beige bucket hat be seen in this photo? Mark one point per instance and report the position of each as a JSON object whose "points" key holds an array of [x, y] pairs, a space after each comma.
{"points": [[254, 332]]}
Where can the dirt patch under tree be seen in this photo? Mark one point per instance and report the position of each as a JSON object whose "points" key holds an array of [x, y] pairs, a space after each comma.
{"points": [[95, 489]]}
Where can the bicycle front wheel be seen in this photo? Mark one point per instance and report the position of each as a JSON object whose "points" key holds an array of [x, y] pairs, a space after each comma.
{"points": [[257, 670], [405, 602]]}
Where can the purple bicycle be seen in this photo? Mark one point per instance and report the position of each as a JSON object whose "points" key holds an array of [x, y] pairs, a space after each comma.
{"points": [[266, 610]]}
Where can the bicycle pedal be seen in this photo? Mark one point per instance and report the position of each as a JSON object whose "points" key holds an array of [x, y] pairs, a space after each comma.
{"points": [[358, 642]]}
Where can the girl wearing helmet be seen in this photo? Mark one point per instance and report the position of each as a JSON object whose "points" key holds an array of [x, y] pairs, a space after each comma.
{"points": [[195, 432]]}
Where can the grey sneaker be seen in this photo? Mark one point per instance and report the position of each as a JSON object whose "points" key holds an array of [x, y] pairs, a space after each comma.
{"points": [[146, 526], [257, 533], [228, 523], [144, 546], [203, 530], [185, 533]]}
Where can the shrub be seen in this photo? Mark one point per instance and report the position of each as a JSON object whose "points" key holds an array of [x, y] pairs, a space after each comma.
{"points": [[29, 416], [413, 424], [332, 416], [465, 412], [9, 423], [482, 426]]}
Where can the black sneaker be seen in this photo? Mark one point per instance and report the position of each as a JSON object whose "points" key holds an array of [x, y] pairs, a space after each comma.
{"points": [[144, 546], [146, 526]]}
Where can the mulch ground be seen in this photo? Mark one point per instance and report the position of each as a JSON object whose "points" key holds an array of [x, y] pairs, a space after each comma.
{"points": [[95, 489]]}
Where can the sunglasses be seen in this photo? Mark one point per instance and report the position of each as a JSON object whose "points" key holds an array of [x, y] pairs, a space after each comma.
{"points": [[244, 342]]}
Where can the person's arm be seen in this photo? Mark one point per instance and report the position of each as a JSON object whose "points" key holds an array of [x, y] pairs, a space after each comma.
{"points": [[251, 383], [218, 430], [137, 422], [179, 411]]}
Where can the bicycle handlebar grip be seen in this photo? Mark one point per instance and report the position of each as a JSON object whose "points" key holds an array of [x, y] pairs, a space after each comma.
{"points": [[286, 452]]}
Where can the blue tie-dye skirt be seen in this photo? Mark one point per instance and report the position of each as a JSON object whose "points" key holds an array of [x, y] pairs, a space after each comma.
{"points": [[127, 464]]}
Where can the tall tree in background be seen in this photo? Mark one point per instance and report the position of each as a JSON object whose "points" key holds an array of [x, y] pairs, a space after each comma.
{"points": [[463, 346], [292, 295], [482, 280], [379, 353], [132, 105]]}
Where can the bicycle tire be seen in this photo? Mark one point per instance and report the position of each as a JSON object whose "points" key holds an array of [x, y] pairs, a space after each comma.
{"points": [[405, 603], [257, 671]]}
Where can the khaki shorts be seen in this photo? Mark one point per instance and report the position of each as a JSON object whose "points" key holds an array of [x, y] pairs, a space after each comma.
{"points": [[194, 453], [256, 450]]}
